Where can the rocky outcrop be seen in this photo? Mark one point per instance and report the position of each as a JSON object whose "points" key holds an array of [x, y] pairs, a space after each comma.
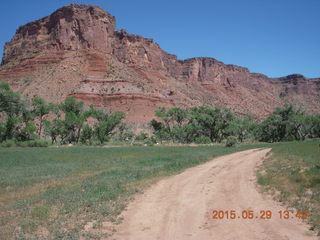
{"points": [[77, 52], [70, 28]]}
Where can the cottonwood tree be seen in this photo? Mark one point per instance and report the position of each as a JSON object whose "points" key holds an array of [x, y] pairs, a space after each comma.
{"points": [[284, 124], [106, 124], [212, 122], [192, 125], [10, 109], [75, 116], [40, 110], [242, 128]]}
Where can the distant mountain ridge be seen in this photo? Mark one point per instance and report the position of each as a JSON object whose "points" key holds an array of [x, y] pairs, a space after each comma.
{"points": [[77, 52]]}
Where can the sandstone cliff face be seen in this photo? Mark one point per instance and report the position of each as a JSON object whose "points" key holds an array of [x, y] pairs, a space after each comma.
{"points": [[77, 52], [71, 28]]}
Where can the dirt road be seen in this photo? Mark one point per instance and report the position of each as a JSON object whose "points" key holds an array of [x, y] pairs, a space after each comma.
{"points": [[180, 207]]}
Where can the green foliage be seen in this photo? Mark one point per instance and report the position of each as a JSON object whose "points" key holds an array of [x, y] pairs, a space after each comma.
{"points": [[150, 141], [86, 135], [163, 114], [4, 86], [142, 136], [212, 122], [2, 131], [157, 126], [10, 108], [217, 124], [178, 115], [182, 125], [75, 116], [22, 120], [33, 143], [40, 109], [17, 114], [26, 132], [177, 134], [231, 141], [38, 143], [160, 131], [107, 124], [10, 102], [284, 124], [242, 128], [124, 133], [54, 129], [8, 143], [311, 126], [70, 105], [202, 140]]}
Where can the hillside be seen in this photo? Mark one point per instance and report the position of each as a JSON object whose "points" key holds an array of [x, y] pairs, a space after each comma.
{"points": [[77, 51]]}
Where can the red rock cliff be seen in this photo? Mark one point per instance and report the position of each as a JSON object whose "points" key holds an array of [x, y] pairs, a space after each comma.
{"points": [[76, 51]]}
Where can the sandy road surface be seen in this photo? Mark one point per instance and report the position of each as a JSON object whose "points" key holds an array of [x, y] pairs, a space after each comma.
{"points": [[180, 207]]}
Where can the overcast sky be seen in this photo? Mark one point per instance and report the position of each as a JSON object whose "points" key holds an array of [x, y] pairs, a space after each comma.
{"points": [[273, 37]]}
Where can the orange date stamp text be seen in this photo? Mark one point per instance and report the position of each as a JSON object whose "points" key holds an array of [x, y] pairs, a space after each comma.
{"points": [[260, 214]]}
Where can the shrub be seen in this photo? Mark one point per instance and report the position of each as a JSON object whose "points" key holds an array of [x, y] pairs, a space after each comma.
{"points": [[22, 144], [127, 136], [142, 136], [38, 143], [8, 143], [231, 141], [202, 140], [86, 135], [150, 141], [137, 144], [33, 143]]}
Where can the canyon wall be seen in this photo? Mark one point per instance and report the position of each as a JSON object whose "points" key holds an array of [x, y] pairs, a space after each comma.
{"points": [[77, 51]]}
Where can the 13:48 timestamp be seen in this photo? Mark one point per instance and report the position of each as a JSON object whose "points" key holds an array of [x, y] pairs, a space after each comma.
{"points": [[262, 214]]}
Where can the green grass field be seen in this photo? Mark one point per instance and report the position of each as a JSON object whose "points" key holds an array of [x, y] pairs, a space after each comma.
{"points": [[292, 175], [51, 193]]}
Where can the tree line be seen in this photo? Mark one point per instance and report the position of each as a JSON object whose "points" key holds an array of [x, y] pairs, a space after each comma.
{"points": [[214, 125], [22, 120], [34, 121]]}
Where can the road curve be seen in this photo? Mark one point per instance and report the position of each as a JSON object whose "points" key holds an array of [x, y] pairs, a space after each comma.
{"points": [[180, 207]]}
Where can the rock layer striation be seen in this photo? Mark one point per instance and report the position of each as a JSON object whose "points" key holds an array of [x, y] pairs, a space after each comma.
{"points": [[77, 52]]}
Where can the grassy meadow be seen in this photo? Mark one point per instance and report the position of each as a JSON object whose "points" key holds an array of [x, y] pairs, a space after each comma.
{"points": [[79, 192], [56, 193], [292, 174]]}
